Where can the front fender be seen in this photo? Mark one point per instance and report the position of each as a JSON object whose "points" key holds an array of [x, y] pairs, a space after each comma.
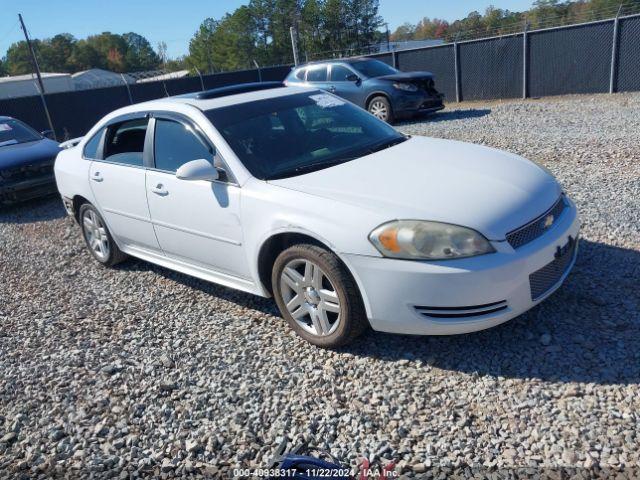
{"points": [[269, 210]]}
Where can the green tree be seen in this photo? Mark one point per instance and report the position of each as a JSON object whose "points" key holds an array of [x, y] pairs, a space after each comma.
{"points": [[201, 46], [112, 49], [85, 56], [19, 59], [3, 68], [139, 53], [175, 64], [311, 27], [406, 31], [57, 53]]}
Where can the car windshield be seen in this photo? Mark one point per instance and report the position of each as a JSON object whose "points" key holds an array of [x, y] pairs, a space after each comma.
{"points": [[295, 134], [373, 68], [13, 131]]}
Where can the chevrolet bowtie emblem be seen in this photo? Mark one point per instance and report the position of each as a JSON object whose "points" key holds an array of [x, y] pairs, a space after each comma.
{"points": [[548, 221]]}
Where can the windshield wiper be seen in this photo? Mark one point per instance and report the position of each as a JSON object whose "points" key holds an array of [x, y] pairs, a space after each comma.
{"points": [[385, 144], [315, 165]]}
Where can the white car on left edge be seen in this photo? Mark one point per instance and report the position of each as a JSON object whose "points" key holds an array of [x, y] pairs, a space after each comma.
{"points": [[300, 195]]}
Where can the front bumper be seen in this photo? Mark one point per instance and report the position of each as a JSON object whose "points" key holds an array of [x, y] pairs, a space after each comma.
{"points": [[12, 192], [460, 296], [407, 104]]}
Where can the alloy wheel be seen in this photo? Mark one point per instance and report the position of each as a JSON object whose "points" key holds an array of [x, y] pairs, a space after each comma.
{"points": [[310, 297], [96, 234]]}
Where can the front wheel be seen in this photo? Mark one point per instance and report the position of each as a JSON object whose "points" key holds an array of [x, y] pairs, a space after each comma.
{"points": [[98, 238], [318, 296], [380, 108]]}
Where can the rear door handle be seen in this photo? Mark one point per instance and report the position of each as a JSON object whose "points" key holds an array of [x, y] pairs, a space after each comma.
{"points": [[160, 190], [97, 177], [332, 89]]}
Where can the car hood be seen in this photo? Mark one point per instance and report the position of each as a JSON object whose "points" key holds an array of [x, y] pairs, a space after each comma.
{"points": [[488, 190], [28, 153], [406, 76]]}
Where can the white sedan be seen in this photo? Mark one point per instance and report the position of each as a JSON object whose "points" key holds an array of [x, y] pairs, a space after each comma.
{"points": [[299, 195]]}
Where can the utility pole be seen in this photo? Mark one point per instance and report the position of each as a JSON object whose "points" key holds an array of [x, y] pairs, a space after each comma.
{"points": [[294, 45], [614, 52], [37, 69], [258, 68], [388, 37]]}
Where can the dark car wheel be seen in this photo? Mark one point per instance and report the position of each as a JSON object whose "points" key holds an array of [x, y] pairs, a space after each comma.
{"points": [[98, 238], [380, 108], [318, 296]]}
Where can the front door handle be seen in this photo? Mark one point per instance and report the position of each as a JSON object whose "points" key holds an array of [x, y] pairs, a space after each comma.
{"points": [[332, 89], [96, 177], [160, 190]]}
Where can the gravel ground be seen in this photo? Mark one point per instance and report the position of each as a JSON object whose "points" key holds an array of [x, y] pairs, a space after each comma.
{"points": [[139, 370]]}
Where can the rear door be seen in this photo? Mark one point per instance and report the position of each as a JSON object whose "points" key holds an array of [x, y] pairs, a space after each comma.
{"points": [[195, 221], [117, 179], [317, 77]]}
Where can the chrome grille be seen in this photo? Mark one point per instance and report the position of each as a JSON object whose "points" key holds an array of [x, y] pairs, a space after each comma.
{"points": [[542, 280], [532, 230]]}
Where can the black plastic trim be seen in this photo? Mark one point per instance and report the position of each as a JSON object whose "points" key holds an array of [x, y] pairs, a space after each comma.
{"points": [[463, 315], [236, 89], [471, 307]]}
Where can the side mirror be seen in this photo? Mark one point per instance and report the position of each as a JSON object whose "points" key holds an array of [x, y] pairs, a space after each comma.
{"points": [[200, 169], [48, 134], [353, 78]]}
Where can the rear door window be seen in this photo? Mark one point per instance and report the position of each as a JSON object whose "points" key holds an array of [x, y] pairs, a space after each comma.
{"points": [[317, 74], [300, 74], [92, 146], [125, 142]]}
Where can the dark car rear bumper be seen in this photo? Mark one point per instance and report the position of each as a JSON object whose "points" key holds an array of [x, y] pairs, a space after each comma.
{"points": [[27, 189]]}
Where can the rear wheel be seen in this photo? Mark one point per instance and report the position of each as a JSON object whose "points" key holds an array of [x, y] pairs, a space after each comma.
{"points": [[380, 108], [98, 238], [317, 296]]}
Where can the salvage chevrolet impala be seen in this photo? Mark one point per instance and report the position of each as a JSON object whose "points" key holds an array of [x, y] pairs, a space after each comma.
{"points": [[301, 195]]}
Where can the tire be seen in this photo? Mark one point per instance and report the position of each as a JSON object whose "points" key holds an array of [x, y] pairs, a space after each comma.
{"points": [[380, 108], [324, 304], [98, 238]]}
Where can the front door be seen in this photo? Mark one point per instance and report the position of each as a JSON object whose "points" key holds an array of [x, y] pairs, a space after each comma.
{"points": [[197, 222], [347, 89], [117, 181]]}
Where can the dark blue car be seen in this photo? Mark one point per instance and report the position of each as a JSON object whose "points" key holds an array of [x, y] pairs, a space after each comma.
{"points": [[26, 162], [384, 91]]}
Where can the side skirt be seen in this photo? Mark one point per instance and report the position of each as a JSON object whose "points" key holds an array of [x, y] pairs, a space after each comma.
{"points": [[213, 276]]}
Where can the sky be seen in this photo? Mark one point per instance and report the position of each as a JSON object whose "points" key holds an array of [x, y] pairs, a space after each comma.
{"points": [[175, 22]]}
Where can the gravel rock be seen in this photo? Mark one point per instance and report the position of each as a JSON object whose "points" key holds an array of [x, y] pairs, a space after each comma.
{"points": [[9, 437], [152, 373]]}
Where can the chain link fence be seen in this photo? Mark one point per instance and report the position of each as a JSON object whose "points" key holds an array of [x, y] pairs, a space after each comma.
{"points": [[627, 77], [74, 112], [593, 57]]}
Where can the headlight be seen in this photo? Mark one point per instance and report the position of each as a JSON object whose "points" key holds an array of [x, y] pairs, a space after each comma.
{"points": [[406, 87], [422, 240]]}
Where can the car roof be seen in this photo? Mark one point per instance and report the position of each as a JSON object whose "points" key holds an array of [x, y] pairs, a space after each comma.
{"points": [[205, 104], [236, 98], [4, 117], [335, 60]]}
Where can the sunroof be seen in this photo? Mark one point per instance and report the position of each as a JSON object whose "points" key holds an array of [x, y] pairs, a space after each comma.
{"points": [[235, 89]]}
